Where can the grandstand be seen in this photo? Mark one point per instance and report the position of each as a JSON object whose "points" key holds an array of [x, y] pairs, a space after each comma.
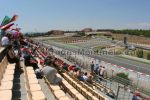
{"points": [[25, 85]]}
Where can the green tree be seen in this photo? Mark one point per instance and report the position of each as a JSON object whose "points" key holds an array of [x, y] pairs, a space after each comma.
{"points": [[148, 56], [139, 53], [81, 33]]}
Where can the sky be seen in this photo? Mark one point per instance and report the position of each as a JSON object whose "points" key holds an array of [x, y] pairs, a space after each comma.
{"points": [[46, 15]]}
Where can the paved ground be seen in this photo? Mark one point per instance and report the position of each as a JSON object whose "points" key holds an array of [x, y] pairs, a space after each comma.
{"points": [[19, 90], [49, 95]]}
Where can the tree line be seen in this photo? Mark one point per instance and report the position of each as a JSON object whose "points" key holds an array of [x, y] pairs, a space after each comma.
{"points": [[145, 33]]}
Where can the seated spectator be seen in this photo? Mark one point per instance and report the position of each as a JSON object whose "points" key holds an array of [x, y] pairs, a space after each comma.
{"points": [[71, 72], [64, 66], [135, 97], [85, 77], [80, 75], [77, 65], [71, 67], [34, 50], [50, 73], [16, 45], [75, 72], [29, 60], [90, 78], [12, 57], [5, 40]]}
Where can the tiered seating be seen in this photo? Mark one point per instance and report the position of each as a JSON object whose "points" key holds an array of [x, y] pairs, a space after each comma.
{"points": [[6, 79], [83, 89], [57, 91], [102, 88], [71, 90], [34, 88], [87, 90], [78, 90]]}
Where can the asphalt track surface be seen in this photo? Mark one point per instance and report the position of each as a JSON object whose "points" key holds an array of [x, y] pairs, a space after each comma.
{"points": [[129, 64]]}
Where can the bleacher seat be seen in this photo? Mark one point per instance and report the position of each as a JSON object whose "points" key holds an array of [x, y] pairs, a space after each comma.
{"points": [[38, 95], [7, 78], [80, 97], [31, 76], [59, 94], [35, 87], [33, 81], [5, 95], [29, 68], [6, 85], [30, 72], [11, 66], [55, 87], [64, 98], [9, 72]]}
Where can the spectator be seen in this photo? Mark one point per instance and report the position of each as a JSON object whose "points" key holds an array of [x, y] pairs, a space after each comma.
{"points": [[85, 76], [5, 40], [65, 66], [92, 67], [50, 73], [71, 67], [77, 66], [135, 97], [102, 69], [16, 44], [75, 70], [31, 61], [12, 57], [96, 67], [90, 78], [80, 75]]}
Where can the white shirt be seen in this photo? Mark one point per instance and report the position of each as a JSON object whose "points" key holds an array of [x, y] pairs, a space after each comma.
{"points": [[5, 41], [85, 77]]}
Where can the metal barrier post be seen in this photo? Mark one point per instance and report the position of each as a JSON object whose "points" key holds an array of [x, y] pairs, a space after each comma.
{"points": [[117, 92]]}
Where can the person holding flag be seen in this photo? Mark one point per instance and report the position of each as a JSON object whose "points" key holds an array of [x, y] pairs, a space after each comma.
{"points": [[6, 24]]}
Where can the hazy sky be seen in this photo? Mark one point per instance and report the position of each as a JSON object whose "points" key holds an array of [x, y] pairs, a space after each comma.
{"points": [[45, 15]]}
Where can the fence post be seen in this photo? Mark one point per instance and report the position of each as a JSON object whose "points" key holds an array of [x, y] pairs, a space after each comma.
{"points": [[117, 92], [138, 76]]}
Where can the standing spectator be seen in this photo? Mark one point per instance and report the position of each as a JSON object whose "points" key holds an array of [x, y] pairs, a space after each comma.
{"points": [[92, 67], [101, 72], [96, 67]]}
